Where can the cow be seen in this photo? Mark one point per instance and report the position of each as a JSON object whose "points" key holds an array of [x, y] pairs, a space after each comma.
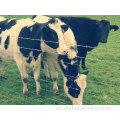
{"points": [[88, 34], [74, 83], [26, 40]]}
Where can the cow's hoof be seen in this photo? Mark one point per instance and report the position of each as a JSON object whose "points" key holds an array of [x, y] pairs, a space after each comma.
{"points": [[26, 94], [56, 93], [3, 77], [39, 94], [84, 68], [47, 77]]}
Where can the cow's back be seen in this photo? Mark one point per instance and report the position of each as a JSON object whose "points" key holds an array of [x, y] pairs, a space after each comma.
{"points": [[9, 37], [84, 29]]}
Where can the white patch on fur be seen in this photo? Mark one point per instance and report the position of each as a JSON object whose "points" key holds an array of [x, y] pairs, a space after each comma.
{"points": [[63, 64], [2, 18], [46, 48], [41, 19]]}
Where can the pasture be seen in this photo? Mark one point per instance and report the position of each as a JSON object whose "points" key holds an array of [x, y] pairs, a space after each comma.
{"points": [[103, 81]]}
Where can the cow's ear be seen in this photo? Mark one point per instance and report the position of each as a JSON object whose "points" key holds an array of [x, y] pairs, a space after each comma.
{"points": [[34, 17], [114, 27], [64, 28]]}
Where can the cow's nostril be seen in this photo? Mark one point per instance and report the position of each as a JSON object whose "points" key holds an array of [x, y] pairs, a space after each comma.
{"points": [[65, 52]]}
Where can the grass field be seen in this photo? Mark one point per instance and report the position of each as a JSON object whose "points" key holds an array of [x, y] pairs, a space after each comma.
{"points": [[103, 81]]}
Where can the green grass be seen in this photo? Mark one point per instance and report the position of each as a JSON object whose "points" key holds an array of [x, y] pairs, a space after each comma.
{"points": [[103, 81]]}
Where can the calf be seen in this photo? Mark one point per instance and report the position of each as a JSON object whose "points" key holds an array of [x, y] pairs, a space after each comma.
{"points": [[88, 34], [24, 40]]}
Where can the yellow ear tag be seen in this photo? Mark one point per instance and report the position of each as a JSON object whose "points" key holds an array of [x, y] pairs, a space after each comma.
{"points": [[112, 30]]}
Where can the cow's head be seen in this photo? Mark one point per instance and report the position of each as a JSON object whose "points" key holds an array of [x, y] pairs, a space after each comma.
{"points": [[52, 34], [74, 83], [75, 89], [103, 30], [69, 40]]}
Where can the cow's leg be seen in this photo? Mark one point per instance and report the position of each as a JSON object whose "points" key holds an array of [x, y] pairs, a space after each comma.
{"points": [[24, 76], [3, 69], [78, 63], [36, 77], [55, 86], [54, 76], [46, 71], [83, 61]]}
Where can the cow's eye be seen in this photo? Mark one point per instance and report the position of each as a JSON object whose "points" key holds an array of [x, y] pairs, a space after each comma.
{"points": [[72, 48]]}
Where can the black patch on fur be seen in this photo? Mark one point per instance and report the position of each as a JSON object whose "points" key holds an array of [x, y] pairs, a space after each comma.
{"points": [[34, 16], [42, 65], [29, 60], [30, 45], [7, 42], [71, 72], [0, 40], [50, 35], [64, 28], [53, 20], [6, 25], [25, 80], [34, 34]]}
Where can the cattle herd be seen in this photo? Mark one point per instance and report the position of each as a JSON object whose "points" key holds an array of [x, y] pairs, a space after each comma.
{"points": [[59, 43]]}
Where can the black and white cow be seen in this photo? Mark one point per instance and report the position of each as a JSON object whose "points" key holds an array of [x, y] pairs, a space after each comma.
{"points": [[74, 83], [20, 43], [24, 40], [88, 32]]}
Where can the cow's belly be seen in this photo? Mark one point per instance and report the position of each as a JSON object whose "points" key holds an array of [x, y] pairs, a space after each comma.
{"points": [[51, 58], [6, 54]]}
